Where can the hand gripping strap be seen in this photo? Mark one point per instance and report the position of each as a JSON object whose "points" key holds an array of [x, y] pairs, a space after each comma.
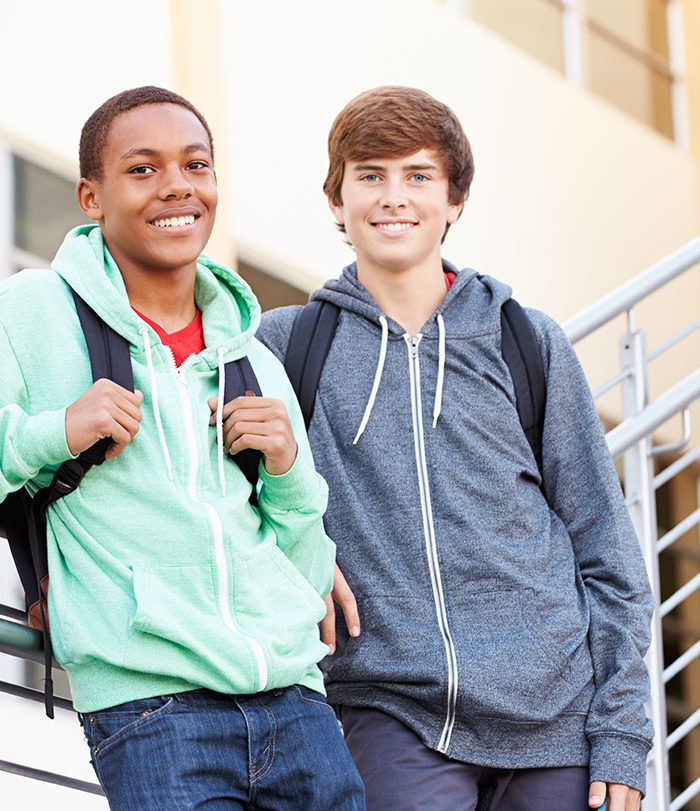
{"points": [[239, 380]]}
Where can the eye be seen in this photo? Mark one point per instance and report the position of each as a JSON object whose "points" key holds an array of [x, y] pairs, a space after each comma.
{"points": [[418, 177], [370, 177], [141, 170], [197, 165]]}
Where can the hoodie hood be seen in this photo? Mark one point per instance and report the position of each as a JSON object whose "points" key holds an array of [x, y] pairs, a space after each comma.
{"points": [[230, 312], [480, 299], [474, 290]]}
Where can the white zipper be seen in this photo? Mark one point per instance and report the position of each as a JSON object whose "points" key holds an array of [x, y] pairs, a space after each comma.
{"points": [[221, 565], [431, 541]]}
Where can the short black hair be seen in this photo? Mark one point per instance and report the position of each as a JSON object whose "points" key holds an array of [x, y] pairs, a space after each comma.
{"points": [[93, 136]]}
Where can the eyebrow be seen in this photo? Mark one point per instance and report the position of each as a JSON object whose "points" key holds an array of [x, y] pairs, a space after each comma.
{"points": [[149, 152], [413, 167]]}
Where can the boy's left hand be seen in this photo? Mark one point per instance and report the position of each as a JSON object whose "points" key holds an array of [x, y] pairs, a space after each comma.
{"points": [[261, 423], [620, 797]]}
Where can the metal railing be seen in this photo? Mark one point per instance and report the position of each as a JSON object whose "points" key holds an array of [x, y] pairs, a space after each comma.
{"points": [[18, 639], [632, 441]]}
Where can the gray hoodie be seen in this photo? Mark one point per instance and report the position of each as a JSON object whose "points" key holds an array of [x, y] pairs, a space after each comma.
{"points": [[504, 628]]}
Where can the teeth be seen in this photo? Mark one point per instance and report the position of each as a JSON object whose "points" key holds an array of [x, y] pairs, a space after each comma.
{"points": [[394, 226], [171, 222]]}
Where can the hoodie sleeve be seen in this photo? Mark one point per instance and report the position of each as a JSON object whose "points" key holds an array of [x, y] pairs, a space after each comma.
{"points": [[582, 488], [28, 442], [294, 504]]}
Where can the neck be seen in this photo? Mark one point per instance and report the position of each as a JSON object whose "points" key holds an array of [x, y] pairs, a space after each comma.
{"points": [[166, 296], [408, 296]]}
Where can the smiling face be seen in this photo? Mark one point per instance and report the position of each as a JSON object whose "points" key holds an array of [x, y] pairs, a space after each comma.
{"points": [[395, 211], [156, 199]]}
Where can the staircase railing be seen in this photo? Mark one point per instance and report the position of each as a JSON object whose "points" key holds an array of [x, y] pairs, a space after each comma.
{"points": [[632, 441]]}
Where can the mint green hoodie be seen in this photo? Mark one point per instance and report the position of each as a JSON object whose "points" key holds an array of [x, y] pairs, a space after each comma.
{"points": [[163, 578]]}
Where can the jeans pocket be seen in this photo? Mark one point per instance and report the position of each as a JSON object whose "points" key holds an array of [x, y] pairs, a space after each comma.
{"points": [[312, 697], [106, 727]]}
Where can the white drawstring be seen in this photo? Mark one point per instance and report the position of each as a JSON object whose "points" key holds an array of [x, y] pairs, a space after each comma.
{"points": [[441, 370], [154, 395], [220, 421], [377, 379]]}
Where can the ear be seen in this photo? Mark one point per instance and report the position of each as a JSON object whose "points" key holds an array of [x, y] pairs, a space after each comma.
{"points": [[86, 193], [454, 212], [337, 211]]}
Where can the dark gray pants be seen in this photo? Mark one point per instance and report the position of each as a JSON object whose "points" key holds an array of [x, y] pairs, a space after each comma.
{"points": [[400, 773]]}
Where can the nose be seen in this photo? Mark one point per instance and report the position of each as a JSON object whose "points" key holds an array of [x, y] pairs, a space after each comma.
{"points": [[175, 184], [394, 195]]}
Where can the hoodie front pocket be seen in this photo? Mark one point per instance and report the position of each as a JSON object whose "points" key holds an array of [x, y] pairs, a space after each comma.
{"points": [[508, 668], [276, 605], [178, 631]]}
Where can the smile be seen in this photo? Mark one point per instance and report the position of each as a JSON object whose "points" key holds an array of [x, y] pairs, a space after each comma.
{"points": [[174, 222], [394, 226]]}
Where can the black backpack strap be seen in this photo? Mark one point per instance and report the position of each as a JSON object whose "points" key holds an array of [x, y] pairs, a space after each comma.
{"points": [[521, 352], [109, 358], [310, 340], [239, 380]]}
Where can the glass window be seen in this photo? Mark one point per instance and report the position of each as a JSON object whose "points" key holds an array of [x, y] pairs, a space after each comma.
{"points": [[45, 208]]}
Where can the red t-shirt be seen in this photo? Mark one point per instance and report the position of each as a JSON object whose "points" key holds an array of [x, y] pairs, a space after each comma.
{"points": [[450, 276], [185, 342]]}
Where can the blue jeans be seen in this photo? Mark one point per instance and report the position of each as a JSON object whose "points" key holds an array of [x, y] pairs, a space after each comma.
{"points": [[279, 750]]}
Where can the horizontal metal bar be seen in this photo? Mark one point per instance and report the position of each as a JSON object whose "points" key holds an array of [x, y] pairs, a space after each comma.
{"points": [[33, 695], [50, 777], [673, 340], [677, 598], [675, 447], [679, 530], [685, 797], [655, 414], [683, 729], [637, 288], [682, 661], [646, 57], [619, 377], [14, 613], [677, 467]]}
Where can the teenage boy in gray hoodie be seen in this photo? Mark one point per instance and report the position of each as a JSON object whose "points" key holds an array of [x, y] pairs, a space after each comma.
{"points": [[505, 610]]}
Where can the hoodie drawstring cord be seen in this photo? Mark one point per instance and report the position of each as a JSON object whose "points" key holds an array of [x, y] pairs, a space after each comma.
{"points": [[441, 370], [154, 394], [220, 421], [377, 379]]}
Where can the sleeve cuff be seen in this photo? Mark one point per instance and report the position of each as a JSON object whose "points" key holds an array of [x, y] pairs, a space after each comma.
{"points": [[289, 490], [43, 440], [619, 759]]}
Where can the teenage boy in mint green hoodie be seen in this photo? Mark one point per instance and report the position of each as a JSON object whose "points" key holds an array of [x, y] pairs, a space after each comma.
{"points": [[185, 617]]}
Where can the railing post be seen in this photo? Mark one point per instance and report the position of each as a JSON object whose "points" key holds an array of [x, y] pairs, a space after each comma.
{"points": [[641, 499]]}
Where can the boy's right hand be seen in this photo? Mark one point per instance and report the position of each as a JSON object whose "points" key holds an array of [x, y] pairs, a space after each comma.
{"points": [[106, 409], [342, 594]]}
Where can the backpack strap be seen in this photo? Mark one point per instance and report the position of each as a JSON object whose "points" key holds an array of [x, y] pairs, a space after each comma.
{"points": [[109, 358], [239, 381], [309, 342], [521, 352]]}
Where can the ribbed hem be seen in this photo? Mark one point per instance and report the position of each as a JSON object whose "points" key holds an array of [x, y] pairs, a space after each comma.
{"points": [[97, 685], [484, 741]]}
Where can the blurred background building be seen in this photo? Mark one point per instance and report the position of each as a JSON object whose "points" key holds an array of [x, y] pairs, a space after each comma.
{"points": [[584, 118]]}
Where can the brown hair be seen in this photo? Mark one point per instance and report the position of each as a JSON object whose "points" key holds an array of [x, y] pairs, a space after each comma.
{"points": [[393, 121], [93, 136]]}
